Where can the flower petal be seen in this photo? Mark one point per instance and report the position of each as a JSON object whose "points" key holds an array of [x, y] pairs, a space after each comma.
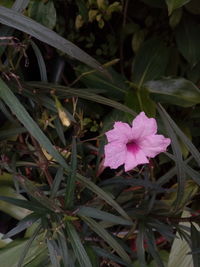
{"points": [[143, 126], [154, 144], [115, 154], [120, 133], [134, 159]]}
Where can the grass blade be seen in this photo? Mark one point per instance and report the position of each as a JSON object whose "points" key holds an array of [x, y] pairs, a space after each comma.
{"points": [[140, 245], [103, 195], [179, 160], [64, 91], [22, 225], [100, 231], [102, 215], [18, 21], [28, 245], [17, 108], [195, 153], [24, 204], [77, 246], [41, 63], [56, 183], [53, 252], [71, 181]]}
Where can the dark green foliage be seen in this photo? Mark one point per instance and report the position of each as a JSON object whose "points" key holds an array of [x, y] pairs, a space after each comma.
{"points": [[58, 203]]}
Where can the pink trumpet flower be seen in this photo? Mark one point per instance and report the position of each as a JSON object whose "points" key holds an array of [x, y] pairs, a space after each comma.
{"points": [[134, 145]]}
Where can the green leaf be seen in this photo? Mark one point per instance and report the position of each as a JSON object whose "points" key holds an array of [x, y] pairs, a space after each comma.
{"points": [[188, 40], [56, 182], [27, 246], [9, 255], [100, 231], [140, 101], [102, 215], [195, 238], [103, 195], [195, 153], [178, 160], [22, 225], [150, 62], [53, 252], [4, 242], [152, 247], [174, 4], [105, 254], [62, 243], [13, 103], [179, 254], [41, 62], [71, 181], [77, 246], [22, 204], [18, 21], [64, 92], [93, 79], [140, 245], [10, 207], [180, 92], [38, 194], [43, 12], [20, 5]]}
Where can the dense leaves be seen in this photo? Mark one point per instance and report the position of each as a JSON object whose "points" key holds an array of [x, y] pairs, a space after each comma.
{"points": [[69, 70]]}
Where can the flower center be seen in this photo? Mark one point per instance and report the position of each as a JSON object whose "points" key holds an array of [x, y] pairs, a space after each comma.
{"points": [[132, 147]]}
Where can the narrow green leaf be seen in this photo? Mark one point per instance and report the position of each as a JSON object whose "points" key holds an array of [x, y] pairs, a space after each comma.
{"points": [[13, 103], [140, 245], [103, 195], [195, 238], [179, 160], [22, 225], [59, 130], [180, 249], [7, 112], [18, 21], [40, 60], [174, 4], [102, 215], [195, 175], [64, 91], [152, 247], [38, 194], [20, 5], [9, 255], [105, 254], [195, 153], [180, 92], [11, 208], [27, 246], [24, 204], [56, 183], [53, 252], [99, 230], [77, 246], [62, 242], [71, 181]]}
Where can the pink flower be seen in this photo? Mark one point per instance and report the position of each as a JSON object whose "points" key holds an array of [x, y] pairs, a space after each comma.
{"points": [[133, 146]]}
